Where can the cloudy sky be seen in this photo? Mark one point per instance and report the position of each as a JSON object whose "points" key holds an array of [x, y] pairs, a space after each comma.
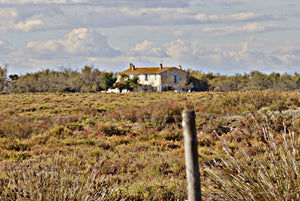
{"points": [[220, 36]]}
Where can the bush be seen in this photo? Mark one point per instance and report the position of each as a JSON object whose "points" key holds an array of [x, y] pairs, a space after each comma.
{"points": [[272, 175], [55, 182]]}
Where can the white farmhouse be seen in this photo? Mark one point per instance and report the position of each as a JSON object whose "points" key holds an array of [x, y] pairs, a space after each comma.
{"points": [[159, 78]]}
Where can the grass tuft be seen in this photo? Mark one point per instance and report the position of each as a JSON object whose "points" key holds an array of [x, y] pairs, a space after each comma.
{"points": [[271, 175]]}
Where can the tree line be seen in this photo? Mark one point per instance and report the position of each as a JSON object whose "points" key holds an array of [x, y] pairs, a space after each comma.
{"points": [[90, 79], [254, 80]]}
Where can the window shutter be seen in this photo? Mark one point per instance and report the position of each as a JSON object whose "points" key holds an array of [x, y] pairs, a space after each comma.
{"points": [[177, 78]]}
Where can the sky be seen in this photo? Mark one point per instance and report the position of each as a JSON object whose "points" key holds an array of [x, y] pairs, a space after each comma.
{"points": [[219, 36]]}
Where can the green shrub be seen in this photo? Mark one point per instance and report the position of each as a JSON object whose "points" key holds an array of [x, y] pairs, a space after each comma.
{"points": [[61, 131]]}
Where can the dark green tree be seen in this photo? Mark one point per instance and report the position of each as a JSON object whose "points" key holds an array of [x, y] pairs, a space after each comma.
{"points": [[107, 80]]}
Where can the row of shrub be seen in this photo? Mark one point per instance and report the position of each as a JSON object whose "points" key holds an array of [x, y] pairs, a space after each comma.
{"points": [[90, 79], [254, 80]]}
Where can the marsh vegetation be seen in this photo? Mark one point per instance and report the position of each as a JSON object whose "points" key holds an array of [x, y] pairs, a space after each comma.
{"points": [[97, 146]]}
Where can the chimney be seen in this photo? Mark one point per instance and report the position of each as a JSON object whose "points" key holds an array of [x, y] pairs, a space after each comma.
{"points": [[160, 66], [179, 67], [131, 66]]}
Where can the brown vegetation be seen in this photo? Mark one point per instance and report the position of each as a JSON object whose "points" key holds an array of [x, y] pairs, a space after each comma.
{"points": [[130, 146]]}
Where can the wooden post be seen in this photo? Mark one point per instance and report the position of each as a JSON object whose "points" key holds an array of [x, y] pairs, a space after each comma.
{"points": [[191, 155]]}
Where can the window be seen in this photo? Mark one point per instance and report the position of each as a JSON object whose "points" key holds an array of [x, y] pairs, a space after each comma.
{"points": [[146, 77], [155, 77], [175, 78]]}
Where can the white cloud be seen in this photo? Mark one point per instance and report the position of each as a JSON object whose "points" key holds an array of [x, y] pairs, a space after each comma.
{"points": [[46, 47], [29, 25], [7, 16], [219, 2], [105, 3], [248, 28], [234, 58], [237, 17], [227, 2], [224, 58], [230, 58], [21, 2], [80, 42], [148, 48], [75, 15], [178, 48], [288, 54]]}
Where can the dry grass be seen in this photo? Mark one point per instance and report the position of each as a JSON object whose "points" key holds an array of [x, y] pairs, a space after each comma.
{"points": [[134, 140], [55, 180], [269, 175]]}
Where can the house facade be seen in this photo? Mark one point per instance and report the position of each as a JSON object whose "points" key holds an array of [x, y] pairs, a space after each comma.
{"points": [[158, 78]]}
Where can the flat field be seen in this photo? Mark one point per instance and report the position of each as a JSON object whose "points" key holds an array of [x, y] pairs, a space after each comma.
{"points": [[76, 146]]}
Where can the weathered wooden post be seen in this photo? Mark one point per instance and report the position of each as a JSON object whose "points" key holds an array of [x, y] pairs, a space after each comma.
{"points": [[191, 155]]}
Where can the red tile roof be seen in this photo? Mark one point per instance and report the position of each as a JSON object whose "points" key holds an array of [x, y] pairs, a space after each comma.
{"points": [[146, 70]]}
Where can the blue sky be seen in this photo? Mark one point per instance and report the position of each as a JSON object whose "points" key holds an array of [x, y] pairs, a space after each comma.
{"points": [[220, 36]]}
